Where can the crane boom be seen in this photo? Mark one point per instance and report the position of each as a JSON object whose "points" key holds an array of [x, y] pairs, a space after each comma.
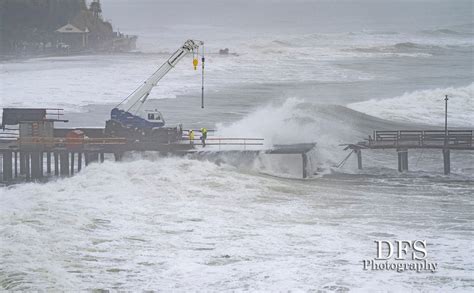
{"points": [[136, 123], [134, 102]]}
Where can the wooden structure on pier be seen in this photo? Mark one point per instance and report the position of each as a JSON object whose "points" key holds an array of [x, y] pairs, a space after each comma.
{"points": [[403, 140]]}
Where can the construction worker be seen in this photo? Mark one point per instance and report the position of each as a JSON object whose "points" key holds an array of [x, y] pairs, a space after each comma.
{"points": [[191, 136], [203, 136]]}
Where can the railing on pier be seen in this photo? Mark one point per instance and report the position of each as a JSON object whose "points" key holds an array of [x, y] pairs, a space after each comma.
{"points": [[55, 114], [228, 141], [66, 142], [78, 142], [462, 139], [403, 140]]}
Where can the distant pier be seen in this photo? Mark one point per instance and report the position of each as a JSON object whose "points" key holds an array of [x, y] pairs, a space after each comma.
{"points": [[403, 140]]}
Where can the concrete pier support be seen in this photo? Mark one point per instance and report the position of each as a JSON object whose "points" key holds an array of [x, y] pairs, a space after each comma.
{"points": [[35, 166], [305, 165], [118, 157], [48, 163], [64, 163], [7, 166], [72, 164], [101, 157], [79, 161], [359, 158], [16, 164], [22, 163], [56, 164], [41, 165], [27, 165], [402, 160], [447, 161]]}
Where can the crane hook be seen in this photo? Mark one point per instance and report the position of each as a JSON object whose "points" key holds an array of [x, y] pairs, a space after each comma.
{"points": [[195, 60]]}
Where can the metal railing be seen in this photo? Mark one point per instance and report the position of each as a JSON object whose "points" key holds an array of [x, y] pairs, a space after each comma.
{"points": [[228, 141], [422, 138], [55, 141]]}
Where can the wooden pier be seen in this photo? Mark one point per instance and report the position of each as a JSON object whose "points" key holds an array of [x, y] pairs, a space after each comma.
{"points": [[403, 140], [36, 158], [40, 158]]}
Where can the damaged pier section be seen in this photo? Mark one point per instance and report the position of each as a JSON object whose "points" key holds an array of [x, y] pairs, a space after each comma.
{"points": [[403, 140]]}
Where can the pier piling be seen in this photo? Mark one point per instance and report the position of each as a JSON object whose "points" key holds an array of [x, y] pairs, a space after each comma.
{"points": [[79, 161], [72, 163], [118, 157], [16, 164], [22, 163], [35, 166], [7, 166], [305, 165], [64, 163], [56, 164], [48, 163], [447, 161], [41, 163], [402, 160], [359, 158], [27, 165]]}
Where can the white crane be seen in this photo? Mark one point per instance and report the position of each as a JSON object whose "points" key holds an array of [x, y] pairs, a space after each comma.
{"points": [[130, 113]]}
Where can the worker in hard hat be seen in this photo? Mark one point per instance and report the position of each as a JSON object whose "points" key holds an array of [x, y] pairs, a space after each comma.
{"points": [[191, 136], [203, 136]]}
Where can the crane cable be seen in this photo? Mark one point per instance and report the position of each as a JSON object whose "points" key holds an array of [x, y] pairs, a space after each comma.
{"points": [[202, 79]]}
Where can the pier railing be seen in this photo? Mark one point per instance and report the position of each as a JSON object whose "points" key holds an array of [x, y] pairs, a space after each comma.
{"points": [[462, 139], [403, 140], [36, 142], [229, 141], [55, 142]]}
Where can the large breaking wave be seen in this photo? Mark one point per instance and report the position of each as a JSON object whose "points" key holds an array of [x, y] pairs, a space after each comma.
{"points": [[425, 106]]}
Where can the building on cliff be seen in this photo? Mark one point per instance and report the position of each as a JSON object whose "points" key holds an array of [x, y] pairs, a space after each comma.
{"points": [[35, 27], [70, 36]]}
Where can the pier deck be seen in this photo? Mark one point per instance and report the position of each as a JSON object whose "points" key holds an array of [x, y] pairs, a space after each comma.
{"points": [[37, 158]]}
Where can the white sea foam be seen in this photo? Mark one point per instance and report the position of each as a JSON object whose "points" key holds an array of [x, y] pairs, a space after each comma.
{"points": [[425, 106], [180, 224]]}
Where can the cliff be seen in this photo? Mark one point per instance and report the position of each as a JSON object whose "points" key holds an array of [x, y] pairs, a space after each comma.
{"points": [[30, 27]]}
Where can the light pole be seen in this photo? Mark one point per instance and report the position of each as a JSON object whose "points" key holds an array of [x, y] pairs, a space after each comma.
{"points": [[446, 155], [446, 121]]}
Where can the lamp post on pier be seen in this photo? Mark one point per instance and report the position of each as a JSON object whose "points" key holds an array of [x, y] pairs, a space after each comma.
{"points": [[446, 120], [446, 154]]}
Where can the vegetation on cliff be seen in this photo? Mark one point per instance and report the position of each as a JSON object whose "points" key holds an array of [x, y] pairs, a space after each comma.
{"points": [[30, 25]]}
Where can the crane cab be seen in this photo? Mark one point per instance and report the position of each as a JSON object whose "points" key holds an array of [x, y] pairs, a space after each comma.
{"points": [[154, 116], [146, 119]]}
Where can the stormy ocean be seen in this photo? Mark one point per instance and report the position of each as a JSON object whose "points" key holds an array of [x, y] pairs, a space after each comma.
{"points": [[299, 71]]}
